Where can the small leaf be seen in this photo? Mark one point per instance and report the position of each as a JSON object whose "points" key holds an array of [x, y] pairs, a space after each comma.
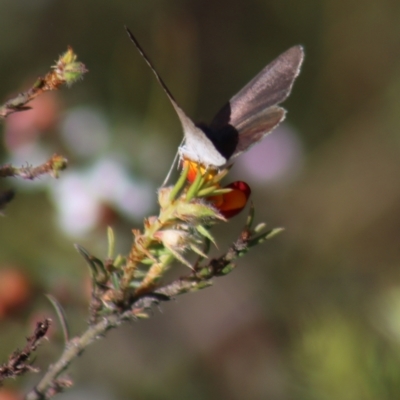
{"points": [[61, 316], [99, 273], [206, 233], [119, 261], [222, 191], [264, 236], [140, 274], [201, 285], [179, 185], [227, 269], [207, 191], [164, 197], [147, 261], [207, 245], [221, 175], [115, 281], [180, 258], [250, 217], [141, 315], [197, 210], [273, 232], [213, 191], [166, 259], [195, 186], [261, 226], [197, 250], [111, 243]]}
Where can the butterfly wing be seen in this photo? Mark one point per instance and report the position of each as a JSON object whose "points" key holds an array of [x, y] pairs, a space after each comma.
{"points": [[198, 147], [253, 111]]}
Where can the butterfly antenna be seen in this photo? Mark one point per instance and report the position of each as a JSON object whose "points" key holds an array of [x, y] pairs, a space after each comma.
{"points": [[150, 64], [172, 167], [185, 120]]}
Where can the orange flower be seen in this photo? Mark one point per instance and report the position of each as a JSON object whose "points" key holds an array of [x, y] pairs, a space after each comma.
{"points": [[194, 168], [229, 204]]}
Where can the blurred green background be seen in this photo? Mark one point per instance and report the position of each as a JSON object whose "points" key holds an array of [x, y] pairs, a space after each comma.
{"points": [[312, 314]]}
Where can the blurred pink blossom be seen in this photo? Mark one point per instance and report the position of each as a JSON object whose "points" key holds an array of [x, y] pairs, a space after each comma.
{"points": [[279, 157], [27, 126], [85, 199]]}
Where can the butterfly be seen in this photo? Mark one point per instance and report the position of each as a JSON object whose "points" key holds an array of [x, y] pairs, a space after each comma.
{"points": [[245, 119]]}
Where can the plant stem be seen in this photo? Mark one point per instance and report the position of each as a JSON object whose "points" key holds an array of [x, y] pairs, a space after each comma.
{"points": [[48, 386]]}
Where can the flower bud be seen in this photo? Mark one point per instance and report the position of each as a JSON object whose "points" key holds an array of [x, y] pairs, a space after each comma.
{"points": [[173, 238]]}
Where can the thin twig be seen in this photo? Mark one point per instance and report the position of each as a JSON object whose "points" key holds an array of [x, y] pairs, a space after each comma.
{"points": [[53, 166], [18, 362], [66, 71], [50, 384]]}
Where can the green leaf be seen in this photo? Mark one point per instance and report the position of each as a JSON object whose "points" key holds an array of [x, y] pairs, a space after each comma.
{"points": [[111, 243], [196, 210], [115, 280], [195, 186], [61, 316], [179, 185], [264, 236], [221, 175], [222, 191], [206, 233], [213, 191], [261, 226], [201, 285], [99, 273], [250, 217], [207, 191], [229, 268], [180, 258], [273, 232], [197, 251], [119, 261]]}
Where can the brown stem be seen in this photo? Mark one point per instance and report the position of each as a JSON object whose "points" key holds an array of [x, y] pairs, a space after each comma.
{"points": [[66, 71], [50, 385], [18, 363], [52, 167]]}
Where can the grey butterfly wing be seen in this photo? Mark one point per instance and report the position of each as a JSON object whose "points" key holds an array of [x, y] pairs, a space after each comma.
{"points": [[254, 110], [254, 129]]}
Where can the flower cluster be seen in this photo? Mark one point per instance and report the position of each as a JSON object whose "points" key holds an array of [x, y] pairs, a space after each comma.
{"points": [[180, 232]]}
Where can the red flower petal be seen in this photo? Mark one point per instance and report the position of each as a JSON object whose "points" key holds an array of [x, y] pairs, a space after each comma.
{"points": [[230, 204]]}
